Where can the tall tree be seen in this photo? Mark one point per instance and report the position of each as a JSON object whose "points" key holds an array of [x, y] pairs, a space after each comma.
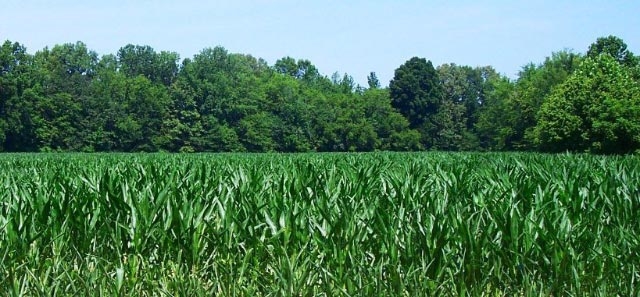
{"points": [[391, 127], [288, 66], [496, 116], [416, 93], [145, 108], [464, 90], [257, 132], [351, 129], [615, 47], [284, 100], [15, 78], [372, 81], [534, 84], [347, 84], [108, 91], [143, 60], [300, 69], [67, 68], [597, 109], [63, 103], [184, 126]]}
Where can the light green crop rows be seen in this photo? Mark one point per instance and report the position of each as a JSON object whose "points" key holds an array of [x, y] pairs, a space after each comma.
{"points": [[320, 224]]}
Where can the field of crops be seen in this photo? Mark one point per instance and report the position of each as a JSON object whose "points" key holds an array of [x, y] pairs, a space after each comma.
{"points": [[319, 224]]}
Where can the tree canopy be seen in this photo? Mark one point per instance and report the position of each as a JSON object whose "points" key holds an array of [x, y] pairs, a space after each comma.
{"points": [[596, 110], [68, 98]]}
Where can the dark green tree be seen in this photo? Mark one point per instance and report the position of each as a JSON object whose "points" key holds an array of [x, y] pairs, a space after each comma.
{"points": [[496, 116], [284, 100], [67, 68], [300, 69], [184, 126], [451, 130], [137, 60], [616, 48], [62, 110], [288, 66], [15, 78], [257, 132], [108, 91], [350, 130], [416, 93], [372, 81], [142, 113], [347, 84]]}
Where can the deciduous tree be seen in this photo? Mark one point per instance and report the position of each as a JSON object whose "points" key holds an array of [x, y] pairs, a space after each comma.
{"points": [[597, 109]]}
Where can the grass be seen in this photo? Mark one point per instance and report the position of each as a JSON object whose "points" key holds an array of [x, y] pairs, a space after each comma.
{"points": [[394, 224]]}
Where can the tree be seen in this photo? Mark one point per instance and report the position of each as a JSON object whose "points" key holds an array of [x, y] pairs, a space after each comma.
{"points": [[56, 129], [141, 116], [372, 81], [464, 92], [227, 93], [184, 126], [15, 78], [21, 121], [108, 91], [597, 110], [301, 69], [615, 47], [256, 132], [351, 130], [284, 100], [391, 128], [534, 84], [62, 96], [67, 68], [496, 116], [451, 131], [347, 84], [288, 66], [416, 93], [137, 60]]}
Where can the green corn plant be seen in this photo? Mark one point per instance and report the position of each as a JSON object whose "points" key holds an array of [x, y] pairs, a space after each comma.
{"points": [[393, 224]]}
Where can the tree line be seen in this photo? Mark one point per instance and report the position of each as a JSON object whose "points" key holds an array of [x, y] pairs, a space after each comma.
{"points": [[67, 98]]}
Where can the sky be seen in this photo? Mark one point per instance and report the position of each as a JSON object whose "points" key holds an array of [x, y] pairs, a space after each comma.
{"points": [[348, 36]]}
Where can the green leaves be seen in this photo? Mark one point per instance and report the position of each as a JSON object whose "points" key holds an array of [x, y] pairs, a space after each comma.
{"points": [[597, 109], [334, 224], [614, 47], [415, 91]]}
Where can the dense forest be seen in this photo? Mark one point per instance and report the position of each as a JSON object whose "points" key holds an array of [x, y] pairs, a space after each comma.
{"points": [[67, 98]]}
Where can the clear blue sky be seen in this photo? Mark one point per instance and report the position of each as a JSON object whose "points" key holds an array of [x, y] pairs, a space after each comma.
{"points": [[355, 36]]}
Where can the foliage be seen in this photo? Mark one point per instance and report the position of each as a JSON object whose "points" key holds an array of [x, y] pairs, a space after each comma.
{"points": [[67, 98], [415, 91], [534, 85], [616, 48], [325, 224], [372, 81], [597, 109], [465, 90], [496, 118]]}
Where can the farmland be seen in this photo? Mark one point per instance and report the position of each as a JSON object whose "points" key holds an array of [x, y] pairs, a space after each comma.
{"points": [[394, 224]]}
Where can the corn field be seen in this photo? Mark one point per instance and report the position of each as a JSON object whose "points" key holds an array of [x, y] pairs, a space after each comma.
{"points": [[392, 224]]}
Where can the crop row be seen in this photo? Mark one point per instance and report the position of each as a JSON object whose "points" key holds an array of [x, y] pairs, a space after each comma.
{"points": [[320, 224]]}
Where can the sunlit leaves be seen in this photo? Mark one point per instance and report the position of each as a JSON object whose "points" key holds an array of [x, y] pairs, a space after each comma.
{"points": [[597, 109], [334, 224]]}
